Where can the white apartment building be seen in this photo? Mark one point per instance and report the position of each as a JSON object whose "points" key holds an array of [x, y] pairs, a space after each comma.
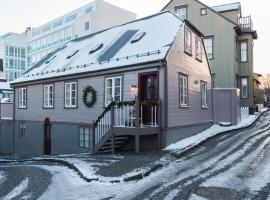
{"points": [[93, 17], [12, 56]]}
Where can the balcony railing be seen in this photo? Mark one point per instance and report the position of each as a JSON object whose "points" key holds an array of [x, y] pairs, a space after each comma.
{"points": [[245, 22]]}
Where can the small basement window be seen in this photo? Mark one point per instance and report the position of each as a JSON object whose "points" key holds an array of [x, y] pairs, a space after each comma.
{"points": [[72, 54], [96, 48], [48, 61], [138, 37]]}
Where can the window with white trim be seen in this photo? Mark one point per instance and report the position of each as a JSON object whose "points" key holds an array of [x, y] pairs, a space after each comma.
{"points": [[71, 95], [22, 130], [183, 84], [198, 51], [84, 137], [209, 46], [244, 87], [113, 90], [188, 41], [204, 94], [244, 51], [203, 11], [181, 11], [48, 95], [22, 97]]}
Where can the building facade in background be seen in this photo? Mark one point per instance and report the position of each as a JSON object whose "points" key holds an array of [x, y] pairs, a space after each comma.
{"points": [[93, 17], [228, 40], [12, 56]]}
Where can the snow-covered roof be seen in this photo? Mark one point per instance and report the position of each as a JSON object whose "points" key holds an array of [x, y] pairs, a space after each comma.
{"points": [[227, 7], [5, 86], [6, 100], [144, 40]]}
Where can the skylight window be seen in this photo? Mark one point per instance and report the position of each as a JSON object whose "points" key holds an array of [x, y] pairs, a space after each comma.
{"points": [[48, 61], [96, 48], [138, 37], [72, 54]]}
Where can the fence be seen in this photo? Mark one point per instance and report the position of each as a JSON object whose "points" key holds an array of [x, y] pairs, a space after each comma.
{"points": [[6, 110], [244, 113]]}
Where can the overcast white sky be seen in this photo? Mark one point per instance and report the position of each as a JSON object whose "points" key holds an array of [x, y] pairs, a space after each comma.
{"points": [[16, 15]]}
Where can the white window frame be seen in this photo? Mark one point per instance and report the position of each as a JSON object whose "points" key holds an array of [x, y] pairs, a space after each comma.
{"points": [[203, 11], [85, 137], [48, 96], [204, 99], [188, 41], [107, 101], [198, 50], [68, 96], [22, 130], [22, 98], [244, 51], [242, 88], [208, 47], [181, 11], [183, 90]]}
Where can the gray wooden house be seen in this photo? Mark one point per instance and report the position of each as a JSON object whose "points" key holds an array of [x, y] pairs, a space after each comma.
{"points": [[140, 85]]}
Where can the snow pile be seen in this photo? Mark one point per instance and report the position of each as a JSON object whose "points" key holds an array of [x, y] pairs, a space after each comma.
{"points": [[212, 131]]}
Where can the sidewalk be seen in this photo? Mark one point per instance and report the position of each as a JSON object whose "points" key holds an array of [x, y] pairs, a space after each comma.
{"points": [[129, 166]]}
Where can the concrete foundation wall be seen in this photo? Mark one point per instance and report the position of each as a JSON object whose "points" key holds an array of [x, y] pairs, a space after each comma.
{"points": [[180, 133]]}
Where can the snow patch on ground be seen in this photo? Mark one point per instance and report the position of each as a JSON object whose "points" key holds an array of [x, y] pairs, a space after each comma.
{"points": [[17, 190], [254, 182], [210, 132], [196, 197], [2, 177]]}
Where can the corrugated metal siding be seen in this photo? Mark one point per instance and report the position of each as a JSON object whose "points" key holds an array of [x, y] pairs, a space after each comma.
{"points": [[82, 114], [180, 62]]}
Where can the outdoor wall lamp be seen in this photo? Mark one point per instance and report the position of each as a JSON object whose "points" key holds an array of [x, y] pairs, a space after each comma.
{"points": [[134, 90]]}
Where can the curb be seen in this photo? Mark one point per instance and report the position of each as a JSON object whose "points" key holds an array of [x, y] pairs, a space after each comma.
{"points": [[178, 155]]}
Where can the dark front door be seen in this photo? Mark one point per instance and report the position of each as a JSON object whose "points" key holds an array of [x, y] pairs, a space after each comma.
{"points": [[47, 137], [148, 91]]}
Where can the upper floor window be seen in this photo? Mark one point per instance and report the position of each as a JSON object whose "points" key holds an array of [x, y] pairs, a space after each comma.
{"points": [[188, 41], [203, 11], [209, 46], [86, 26], [22, 97], [181, 11], [183, 84], [113, 89], [204, 94], [244, 51], [198, 44], [71, 95], [244, 87], [48, 96]]}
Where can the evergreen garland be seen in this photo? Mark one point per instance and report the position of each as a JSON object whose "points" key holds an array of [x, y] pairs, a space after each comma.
{"points": [[86, 91]]}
